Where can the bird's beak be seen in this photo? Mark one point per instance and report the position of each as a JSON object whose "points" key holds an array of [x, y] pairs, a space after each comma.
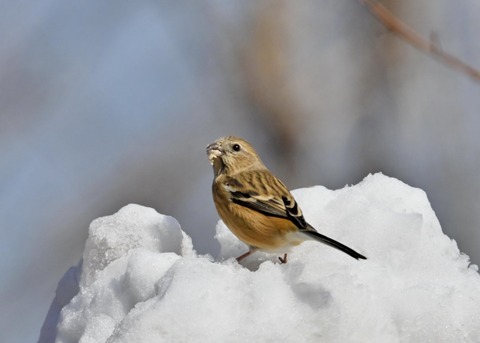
{"points": [[214, 151]]}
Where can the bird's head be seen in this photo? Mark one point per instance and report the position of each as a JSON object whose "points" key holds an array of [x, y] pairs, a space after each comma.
{"points": [[230, 155]]}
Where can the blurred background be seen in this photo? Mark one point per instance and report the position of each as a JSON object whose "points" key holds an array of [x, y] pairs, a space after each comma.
{"points": [[105, 103]]}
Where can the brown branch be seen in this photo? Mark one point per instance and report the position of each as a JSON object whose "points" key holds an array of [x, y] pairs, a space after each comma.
{"points": [[410, 36]]}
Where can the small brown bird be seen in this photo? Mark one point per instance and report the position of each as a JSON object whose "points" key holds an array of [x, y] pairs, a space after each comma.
{"points": [[255, 205]]}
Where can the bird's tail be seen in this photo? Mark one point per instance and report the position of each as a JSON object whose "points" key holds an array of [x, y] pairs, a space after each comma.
{"points": [[311, 232]]}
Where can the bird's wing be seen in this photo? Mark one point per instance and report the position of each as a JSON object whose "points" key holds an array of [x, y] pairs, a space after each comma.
{"points": [[263, 192], [249, 190]]}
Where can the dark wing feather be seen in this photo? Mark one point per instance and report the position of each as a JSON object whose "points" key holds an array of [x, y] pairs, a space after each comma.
{"points": [[268, 207], [294, 212], [280, 204]]}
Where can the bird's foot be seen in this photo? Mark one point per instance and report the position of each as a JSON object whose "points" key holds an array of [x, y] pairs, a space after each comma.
{"points": [[283, 259], [248, 253]]}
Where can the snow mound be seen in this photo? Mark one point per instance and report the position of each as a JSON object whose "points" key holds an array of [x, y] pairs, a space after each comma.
{"points": [[141, 280], [133, 227]]}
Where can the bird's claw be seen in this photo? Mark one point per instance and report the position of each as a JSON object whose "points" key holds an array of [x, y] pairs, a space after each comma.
{"points": [[283, 259]]}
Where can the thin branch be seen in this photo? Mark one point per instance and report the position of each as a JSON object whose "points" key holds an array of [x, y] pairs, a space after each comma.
{"points": [[410, 36]]}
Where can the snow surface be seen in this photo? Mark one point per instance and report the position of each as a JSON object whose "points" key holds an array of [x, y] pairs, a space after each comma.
{"points": [[142, 281]]}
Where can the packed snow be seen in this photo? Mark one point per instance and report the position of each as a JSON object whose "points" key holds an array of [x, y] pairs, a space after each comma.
{"points": [[142, 281]]}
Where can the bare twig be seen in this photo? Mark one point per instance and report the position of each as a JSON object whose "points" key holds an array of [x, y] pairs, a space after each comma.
{"points": [[410, 36]]}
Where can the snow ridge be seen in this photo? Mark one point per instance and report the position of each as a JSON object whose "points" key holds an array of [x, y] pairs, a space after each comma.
{"points": [[142, 281]]}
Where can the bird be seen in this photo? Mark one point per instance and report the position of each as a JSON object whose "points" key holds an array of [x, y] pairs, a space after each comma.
{"points": [[255, 205]]}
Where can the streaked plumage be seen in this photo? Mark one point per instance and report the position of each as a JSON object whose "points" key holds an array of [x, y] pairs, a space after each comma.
{"points": [[254, 204]]}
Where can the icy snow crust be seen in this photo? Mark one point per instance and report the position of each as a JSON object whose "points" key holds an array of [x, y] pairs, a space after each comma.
{"points": [[141, 280]]}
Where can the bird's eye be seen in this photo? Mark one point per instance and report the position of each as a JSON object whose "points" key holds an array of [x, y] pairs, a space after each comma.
{"points": [[236, 147]]}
